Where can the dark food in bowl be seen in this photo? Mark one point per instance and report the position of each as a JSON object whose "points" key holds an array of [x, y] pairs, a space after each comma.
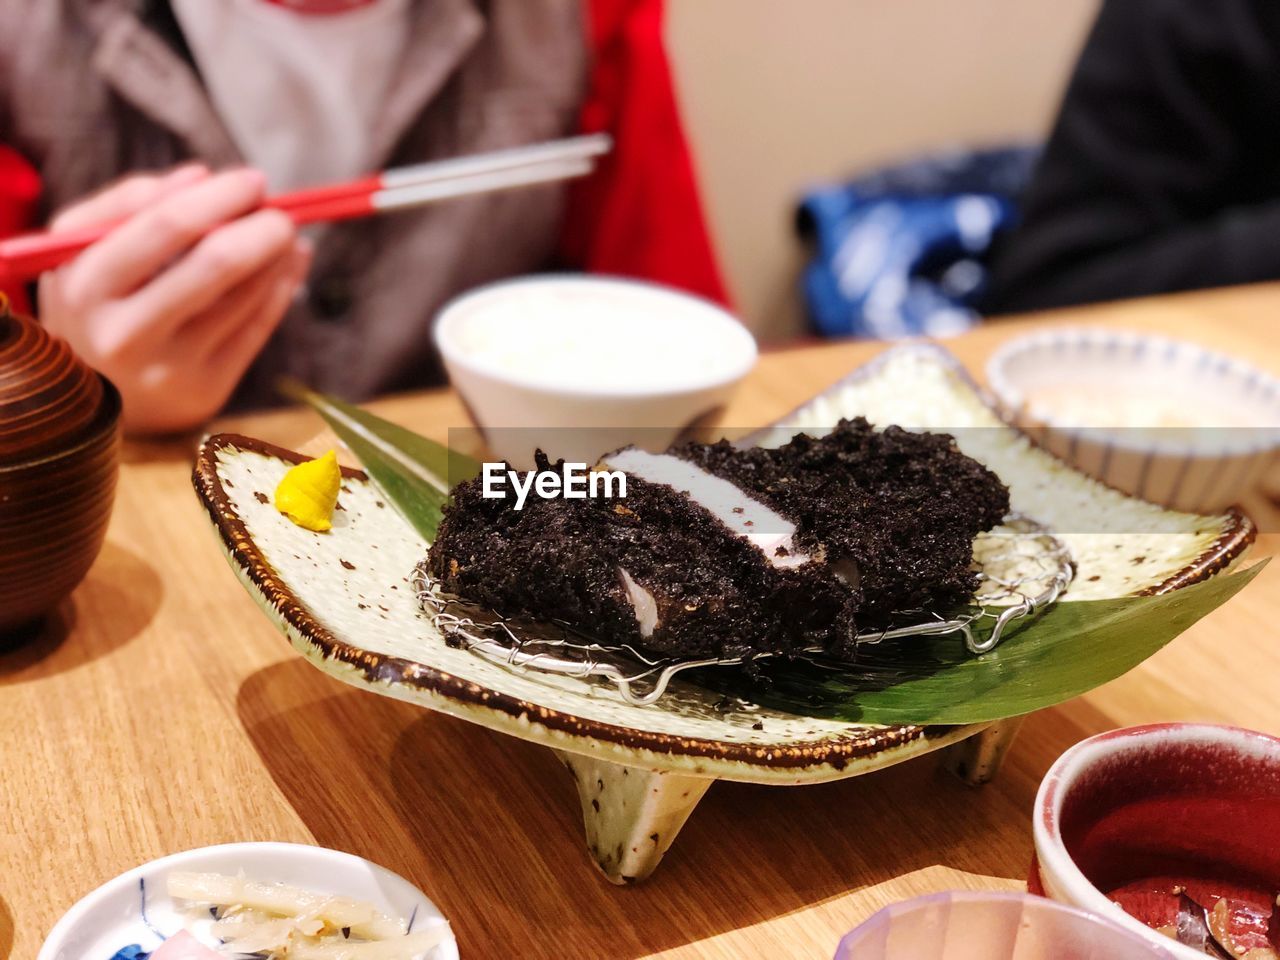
{"points": [[1216, 917], [718, 551]]}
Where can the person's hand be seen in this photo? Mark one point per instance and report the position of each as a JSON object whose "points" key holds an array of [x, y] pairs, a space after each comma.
{"points": [[174, 304]]}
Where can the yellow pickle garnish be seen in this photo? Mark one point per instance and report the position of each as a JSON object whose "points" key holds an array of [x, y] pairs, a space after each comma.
{"points": [[308, 493]]}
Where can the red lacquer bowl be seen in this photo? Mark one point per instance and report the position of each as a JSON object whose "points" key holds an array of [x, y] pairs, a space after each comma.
{"points": [[1176, 800]]}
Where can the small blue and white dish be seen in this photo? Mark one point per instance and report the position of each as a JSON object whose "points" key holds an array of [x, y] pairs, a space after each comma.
{"points": [[1165, 420], [135, 908]]}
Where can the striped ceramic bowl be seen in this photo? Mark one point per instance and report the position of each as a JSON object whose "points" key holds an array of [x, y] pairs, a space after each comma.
{"points": [[1162, 419]]}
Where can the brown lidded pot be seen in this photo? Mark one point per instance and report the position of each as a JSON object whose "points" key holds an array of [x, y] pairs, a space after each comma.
{"points": [[59, 456]]}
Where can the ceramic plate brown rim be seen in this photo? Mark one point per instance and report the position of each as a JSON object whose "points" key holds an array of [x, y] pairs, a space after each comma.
{"points": [[670, 752]]}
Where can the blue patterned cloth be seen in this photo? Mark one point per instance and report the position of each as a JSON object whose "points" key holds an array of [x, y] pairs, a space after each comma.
{"points": [[902, 252]]}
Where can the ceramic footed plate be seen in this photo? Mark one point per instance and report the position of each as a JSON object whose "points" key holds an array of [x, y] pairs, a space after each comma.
{"points": [[345, 602]]}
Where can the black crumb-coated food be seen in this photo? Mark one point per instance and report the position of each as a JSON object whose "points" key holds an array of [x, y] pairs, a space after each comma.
{"points": [[900, 510], [905, 507], [560, 559]]}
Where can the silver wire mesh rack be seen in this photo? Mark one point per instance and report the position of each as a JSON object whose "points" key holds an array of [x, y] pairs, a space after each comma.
{"points": [[1022, 569]]}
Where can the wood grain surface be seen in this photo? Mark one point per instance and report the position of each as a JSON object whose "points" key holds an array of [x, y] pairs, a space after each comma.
{"points": [[161, 711]]}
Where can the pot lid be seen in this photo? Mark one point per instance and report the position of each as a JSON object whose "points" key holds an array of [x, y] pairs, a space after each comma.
{"points": [[49, 397]]}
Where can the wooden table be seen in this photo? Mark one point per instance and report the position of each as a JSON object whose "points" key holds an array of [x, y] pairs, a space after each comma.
{"points": [[161, 711]]}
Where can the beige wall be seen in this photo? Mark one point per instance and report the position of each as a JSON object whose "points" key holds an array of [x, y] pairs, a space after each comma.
{"points": [[780, 93]]}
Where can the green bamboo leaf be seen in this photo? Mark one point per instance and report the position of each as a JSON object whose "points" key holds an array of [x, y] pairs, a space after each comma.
{"points": [[1072, 648], [415, 473]]}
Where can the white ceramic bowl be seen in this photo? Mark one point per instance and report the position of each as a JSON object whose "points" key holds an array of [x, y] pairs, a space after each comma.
{"points": [[134, 907], [1161, 419], [1178, 799], [582, 365]]}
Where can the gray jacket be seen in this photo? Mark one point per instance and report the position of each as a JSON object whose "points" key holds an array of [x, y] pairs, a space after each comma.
{"points": [[93, 89]]}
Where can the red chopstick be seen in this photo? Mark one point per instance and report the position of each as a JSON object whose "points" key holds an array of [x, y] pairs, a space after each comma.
{"points": [[31, 254]]}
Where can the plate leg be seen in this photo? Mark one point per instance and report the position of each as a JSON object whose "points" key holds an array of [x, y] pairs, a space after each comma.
{"points": [[977, 760], [631, 814]]}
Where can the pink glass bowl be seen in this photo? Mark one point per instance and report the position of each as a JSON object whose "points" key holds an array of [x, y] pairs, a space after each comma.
{"points": [[991, 926]]}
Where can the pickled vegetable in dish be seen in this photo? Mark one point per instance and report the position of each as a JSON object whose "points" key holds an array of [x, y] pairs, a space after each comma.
{"points": [[308, 493], [1220, 919], [276, 921], [719, 551]]}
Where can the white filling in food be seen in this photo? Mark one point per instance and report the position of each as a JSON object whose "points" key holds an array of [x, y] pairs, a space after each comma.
{"points": [[642, 603], [769, 532]]}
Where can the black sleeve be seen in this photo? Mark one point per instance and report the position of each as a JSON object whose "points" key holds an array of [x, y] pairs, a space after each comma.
{"points": [[1163, 170]]}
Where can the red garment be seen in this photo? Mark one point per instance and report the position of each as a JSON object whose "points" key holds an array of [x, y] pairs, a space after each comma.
{"points": [[19, 194], [639, 215]]}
